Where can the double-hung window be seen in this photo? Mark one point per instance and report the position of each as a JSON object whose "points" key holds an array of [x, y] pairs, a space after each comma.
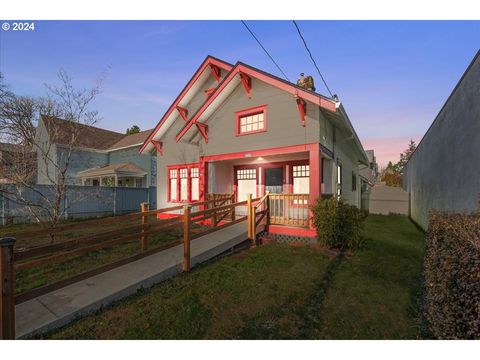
{"points": [[183, 181], [172, 175], [301, 181]]}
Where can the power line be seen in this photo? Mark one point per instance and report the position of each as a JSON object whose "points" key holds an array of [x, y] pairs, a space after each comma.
{"points": [[311, 57], [259, 43]]}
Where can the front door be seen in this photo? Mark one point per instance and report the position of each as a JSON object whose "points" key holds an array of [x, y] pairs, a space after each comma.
{"points": [[274, 184], [274, 180]]}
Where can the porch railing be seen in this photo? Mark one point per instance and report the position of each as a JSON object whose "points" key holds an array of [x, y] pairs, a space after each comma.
{"points": [[289, 209], [217, 200]]}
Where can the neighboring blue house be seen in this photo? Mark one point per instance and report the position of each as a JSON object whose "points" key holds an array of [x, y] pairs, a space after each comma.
{"points": [[98, 157]]}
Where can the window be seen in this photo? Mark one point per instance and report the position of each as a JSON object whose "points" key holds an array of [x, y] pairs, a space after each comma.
{"points": [[301, 181], [173, 184], [339, 179], [183, 183], [354, 182], [194, 185], [251, 121], [138, 182], [246, 183]]}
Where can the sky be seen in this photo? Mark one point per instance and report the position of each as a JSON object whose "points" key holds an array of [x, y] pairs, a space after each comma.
{"points": [[391, 76]]}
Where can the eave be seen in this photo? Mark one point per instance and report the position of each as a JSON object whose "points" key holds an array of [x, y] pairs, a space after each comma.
{"points": [[237, 75], [210, 62]]}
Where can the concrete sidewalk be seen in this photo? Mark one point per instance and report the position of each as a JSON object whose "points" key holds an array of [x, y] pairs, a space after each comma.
{"points": [[60, 307]]}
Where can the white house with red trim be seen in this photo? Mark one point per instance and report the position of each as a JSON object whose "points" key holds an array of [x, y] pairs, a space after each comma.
{"points": [[237, 129]]}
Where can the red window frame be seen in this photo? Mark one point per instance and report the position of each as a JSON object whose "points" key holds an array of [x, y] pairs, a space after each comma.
{"points": [[262, 109], [178, 169]]}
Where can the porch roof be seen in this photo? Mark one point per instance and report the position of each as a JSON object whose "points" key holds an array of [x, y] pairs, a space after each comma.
{"points": [[120, 169]]}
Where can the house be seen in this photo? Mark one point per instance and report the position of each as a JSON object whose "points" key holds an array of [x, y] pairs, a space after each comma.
{"points": [[97, 157], [17, 161], [238, 129], [442, 173]]}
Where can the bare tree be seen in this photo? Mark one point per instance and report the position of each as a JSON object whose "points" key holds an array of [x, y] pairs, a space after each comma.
{"points": [[19, 114], [63, 101]]}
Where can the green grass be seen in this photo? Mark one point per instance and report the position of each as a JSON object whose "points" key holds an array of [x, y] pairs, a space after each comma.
{"points": [[280, 292]]}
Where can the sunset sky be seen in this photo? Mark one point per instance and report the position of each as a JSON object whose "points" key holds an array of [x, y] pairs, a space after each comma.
{"points": [[392, 77]]}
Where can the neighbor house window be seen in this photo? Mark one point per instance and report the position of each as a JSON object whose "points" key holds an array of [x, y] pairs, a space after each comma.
{"points": [[183, 183], [138, 182], [354, 182], [301, 181], [339, 179], [251, 121]]}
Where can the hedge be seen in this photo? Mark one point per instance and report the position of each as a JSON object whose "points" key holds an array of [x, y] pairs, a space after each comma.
{"points": [[452, 276]]}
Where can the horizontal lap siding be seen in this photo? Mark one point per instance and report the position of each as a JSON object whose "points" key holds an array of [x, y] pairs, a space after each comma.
{"points": [[284, 126]]}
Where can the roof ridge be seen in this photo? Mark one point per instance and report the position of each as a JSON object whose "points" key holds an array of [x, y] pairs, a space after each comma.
{"points": [[55, 118]]}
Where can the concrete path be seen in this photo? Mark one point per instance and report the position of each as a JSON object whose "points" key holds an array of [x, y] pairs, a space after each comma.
{"points": [[60, 307]]}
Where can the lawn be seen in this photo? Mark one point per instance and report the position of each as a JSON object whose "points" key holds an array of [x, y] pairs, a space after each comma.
{"points": [[280, 292]]}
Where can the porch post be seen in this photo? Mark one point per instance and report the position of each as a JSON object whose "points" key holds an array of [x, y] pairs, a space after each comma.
{"points": [[315, 169], [203, 181]]}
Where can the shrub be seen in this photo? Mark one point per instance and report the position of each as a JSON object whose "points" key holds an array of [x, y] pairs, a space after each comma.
{"points": [[452, 276], [338, 224]]}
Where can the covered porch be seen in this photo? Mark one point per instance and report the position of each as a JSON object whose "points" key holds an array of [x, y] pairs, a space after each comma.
{"points": [[291, 175], [118, 175]]}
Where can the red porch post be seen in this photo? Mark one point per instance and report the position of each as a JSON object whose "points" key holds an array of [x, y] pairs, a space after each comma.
{"points": [[203, 181], [315, 176]]}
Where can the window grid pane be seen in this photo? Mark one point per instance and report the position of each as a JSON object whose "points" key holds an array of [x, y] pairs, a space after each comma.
{"points": [[245, 174], [301, 171], [252, 123]]}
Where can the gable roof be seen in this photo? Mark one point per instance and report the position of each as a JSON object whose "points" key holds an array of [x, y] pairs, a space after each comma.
{"points": [[231, 81], [189, 89], [131, 140], [91, 137], [125, 169], [14, 148]]}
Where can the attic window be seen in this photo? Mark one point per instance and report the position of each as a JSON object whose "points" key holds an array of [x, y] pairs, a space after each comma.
{"points": [[251, 121]]}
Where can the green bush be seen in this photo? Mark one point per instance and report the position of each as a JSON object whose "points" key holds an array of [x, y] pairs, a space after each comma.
{"points": [[452, 276], [338, 224]]}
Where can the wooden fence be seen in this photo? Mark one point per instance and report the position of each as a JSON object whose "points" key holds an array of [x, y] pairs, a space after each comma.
{"points": [[208, 216]]}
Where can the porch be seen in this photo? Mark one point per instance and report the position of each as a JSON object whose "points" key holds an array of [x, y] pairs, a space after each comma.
{"points": [[291, 176], [117, 175]]}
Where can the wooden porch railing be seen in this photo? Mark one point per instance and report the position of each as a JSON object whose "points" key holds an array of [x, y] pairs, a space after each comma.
{"points": [[289, 209]]}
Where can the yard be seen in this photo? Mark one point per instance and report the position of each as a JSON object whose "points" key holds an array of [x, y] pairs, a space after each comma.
{"points": [[281, 292], [38, 276]]}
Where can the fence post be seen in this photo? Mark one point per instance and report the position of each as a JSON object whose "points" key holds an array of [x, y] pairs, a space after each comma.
{"points": [[115, 200], [7, 301], [232, 201], [250, 219], [267, 215], [186, 237], [144, 238], [214, 216]]}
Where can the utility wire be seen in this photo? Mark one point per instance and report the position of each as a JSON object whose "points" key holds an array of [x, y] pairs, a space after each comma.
{"points": [[311, 57], [259, 43]]}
